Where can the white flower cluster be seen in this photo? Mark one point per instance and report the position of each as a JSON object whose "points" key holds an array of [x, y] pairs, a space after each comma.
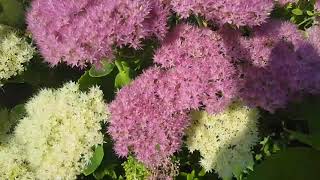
{"points": [[56, 137], [15, 52], [13, 164], [225, 139]]}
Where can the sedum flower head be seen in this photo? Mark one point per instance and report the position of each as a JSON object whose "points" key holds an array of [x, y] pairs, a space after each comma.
{"points": [[13, 164], [59, 131], [85, 31], [145, 124], [14, 53], [225, 139], [149, 116], [135, 170], [282, 65], [238, 12], [199, 69]]}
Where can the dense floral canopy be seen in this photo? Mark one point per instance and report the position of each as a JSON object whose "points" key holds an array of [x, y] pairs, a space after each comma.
{"points": [[159, 89]]}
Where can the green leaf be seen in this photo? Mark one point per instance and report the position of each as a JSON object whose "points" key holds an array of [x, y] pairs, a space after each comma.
{"points": [[122, 79], [39, 74], [311, 140], [310, 13], [11, 13], [289, 6], [202, 172], [106, 69], [95, 161], [125, 74], [297, 12], [17, 113], [275, 148], [4, 115], [4, 120], [258, 157], [191, 176], [107, 171], [293, 164], [109, 164], [86, 81]]}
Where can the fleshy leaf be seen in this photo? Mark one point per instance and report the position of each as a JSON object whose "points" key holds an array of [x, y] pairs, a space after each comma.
{"points": [[106, 69], [86, 81], [95, 162], [297, 12]]}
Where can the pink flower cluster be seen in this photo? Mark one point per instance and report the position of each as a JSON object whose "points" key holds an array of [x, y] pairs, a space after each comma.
{"points": [[142, 122], [197, 55], [238, 12], [150, 115], [281, 66], [203, 69], [196, 68], [84, 31], [317, 5]]}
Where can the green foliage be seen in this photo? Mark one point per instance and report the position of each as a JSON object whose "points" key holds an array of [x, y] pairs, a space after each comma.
{"points": [[106, 69], [86, 81], [106, 84], [125, 74], [110, 167], [297, 12], [95, 160], [190, 166], [17, 113], [301, 13], [39, 75], [307, 111], [193, 175], [9, 119], [130, 63], [268, 147], [12, 13], [292, 163], [4, 121], [311, 140], [12, 116], [135, 170]]}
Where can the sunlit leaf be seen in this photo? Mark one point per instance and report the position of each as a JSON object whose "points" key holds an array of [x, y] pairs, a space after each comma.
{"points": [[297, 12]]}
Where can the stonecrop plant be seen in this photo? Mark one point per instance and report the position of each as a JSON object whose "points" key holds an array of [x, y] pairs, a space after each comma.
{"points": [[159, 89], [55, 26], [57, 136], [15, 53], [224, 140], [237, 12]]}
